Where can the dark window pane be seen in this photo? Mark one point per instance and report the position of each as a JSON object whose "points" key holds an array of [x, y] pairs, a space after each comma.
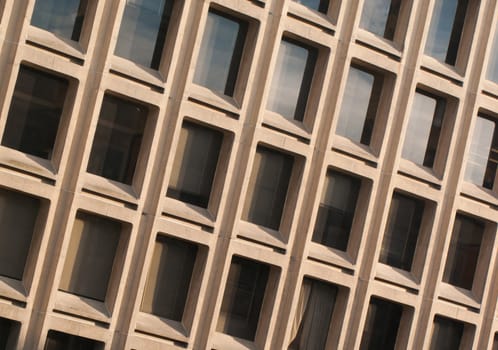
{"points": [[314, 312], [318, 5], [292, 79], [359, 105], [447, 334], [220, 53], [195, 164], [400, 239], [268, 187], [90, 256], [381, 325], [243, 298], [62, 341], [61, 17], [463, 252], [9, 333], [143, 31], [18, 215], [380, 17], [336, 211], [35, 112], [169, 278], [446, 30], [424, 128], [117, 140]]}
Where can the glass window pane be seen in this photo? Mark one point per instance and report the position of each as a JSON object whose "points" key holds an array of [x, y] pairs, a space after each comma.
{"points": [[18, 215], [62, 341], [400, 239], [447, 334], [268, 187], [243, 298], [381, 326], [143, 31], [35, 112], [220, 53], [480, 151], [90, 256], [292, 79], [169, 278], [195, 164], [318, 5], [61, 17], [380, 17], [336, 212], [492, 72], [117, 140], [9, 332]]}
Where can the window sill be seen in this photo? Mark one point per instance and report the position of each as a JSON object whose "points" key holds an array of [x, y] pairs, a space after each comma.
{"points": [[224, 341], [137, 72], [82, 307], [262, 234], [397, 276], [443, 69], [161, 327], [12, 289], [490, 87], [330, 256], [459, 295], [357, 150], [381, 44], [308, 15], [27, 163], [479, 193], [427, 175], [55, 43], [293, 127], [209, 97], [189, 212], [110, 188]]}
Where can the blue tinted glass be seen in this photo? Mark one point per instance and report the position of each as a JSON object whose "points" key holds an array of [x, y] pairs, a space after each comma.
{"points": [[143, 31], [318, 5], [375, 15], [61, 17]]}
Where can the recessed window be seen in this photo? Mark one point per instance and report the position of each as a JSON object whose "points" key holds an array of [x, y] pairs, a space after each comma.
{"points": [[35, 112], [292, 79], [483, 154], [336, 212], [143, 31], [382, 325], [317, 5], [169, 278], [90, 256], [492, 72], [62, 341], [118, 138], [463, 253], [195, 164], [18, 214], [61, 17], [495, 342], [311, 324], [447, 333], [221, 52], [9, 333], [424, 129], [359, 105], [243, 298], [380, 17], [402, 231], [445, 33], [268, 187]]}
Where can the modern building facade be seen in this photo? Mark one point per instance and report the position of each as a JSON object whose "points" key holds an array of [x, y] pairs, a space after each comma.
{"points": [[250, 174]]}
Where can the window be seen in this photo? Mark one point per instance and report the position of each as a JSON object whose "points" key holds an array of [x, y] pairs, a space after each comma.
{"points": [[243, 298], [359, 105], [492, 72], [118, 138], [143, 30], [18, 214], [195, 164], [220, 53], [61, 17], [313, 315], [169, 278], [268, 187], [62, 341], [336, 212], [35, 112], [447, 333], [463, 253], [424, 128], [483, 153], [495, 342], [402, 231], [318, 5], [380, 17], [9, 332], [382, 325], [292, 79], [445, 32], [90, 256]]}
